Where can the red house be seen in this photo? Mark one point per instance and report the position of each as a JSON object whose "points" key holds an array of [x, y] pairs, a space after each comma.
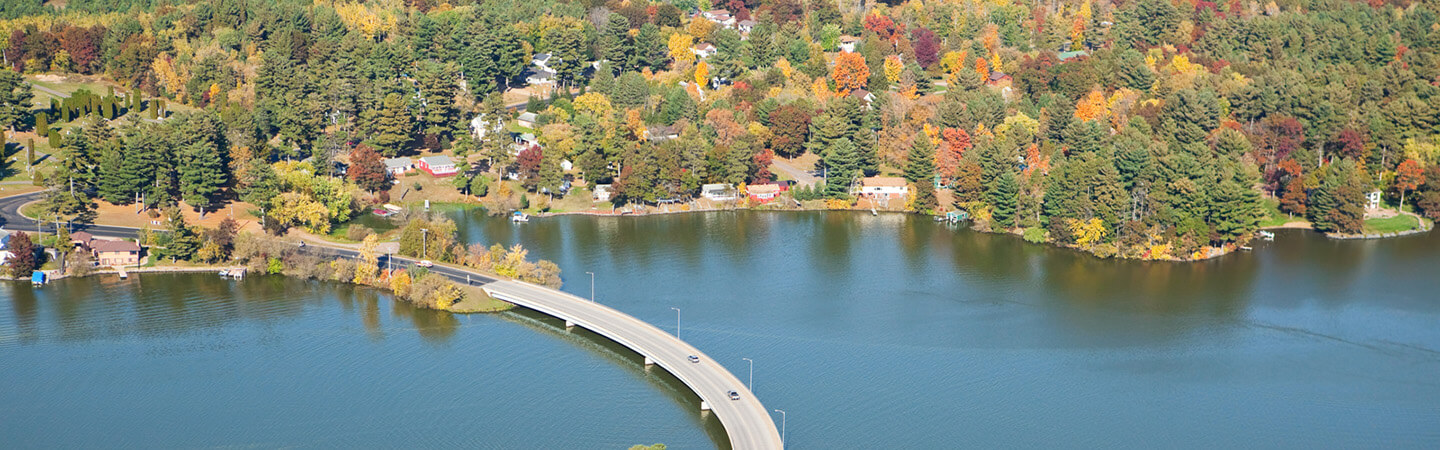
{"points": [[438, 166]]}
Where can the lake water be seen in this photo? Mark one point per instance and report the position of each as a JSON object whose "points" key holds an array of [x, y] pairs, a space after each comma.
{"points": [[870, 331]]}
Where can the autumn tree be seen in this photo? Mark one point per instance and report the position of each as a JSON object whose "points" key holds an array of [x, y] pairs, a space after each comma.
{"points": [[956, 142], [22, 259], [1408, 177], [367, 170], [1091, 107], [789, 127], [850, 72], [702, 74]]}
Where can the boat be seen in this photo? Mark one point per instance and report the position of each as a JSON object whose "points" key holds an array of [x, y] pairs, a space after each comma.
{"points": [[1266, 235], [518, 216], [873, 213]]}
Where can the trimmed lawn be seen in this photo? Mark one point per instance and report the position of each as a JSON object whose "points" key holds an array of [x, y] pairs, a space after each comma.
{"points": [[1273, 216], [1391, 225]]}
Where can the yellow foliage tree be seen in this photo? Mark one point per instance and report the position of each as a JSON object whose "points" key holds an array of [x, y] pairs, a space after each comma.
{"points": [[170, 77], [595, 103], [679, 46], [820, 89], [700, 28], [400, 283], [1087, 232], [368, 263], [785, 68], [893, 68], [702, 74], [953, 62]]}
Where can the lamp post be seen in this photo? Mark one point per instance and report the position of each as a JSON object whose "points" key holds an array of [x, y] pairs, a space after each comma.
{"points": [[677, 322], [752, 375], [424, 243], [592, 286], [782, 427]]}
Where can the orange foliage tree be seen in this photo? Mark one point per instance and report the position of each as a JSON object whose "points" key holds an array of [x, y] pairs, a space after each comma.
{"points": [[947, 160], [1091, 107], [702, 74], [850, 72], [1408, 177], [982, 67]]}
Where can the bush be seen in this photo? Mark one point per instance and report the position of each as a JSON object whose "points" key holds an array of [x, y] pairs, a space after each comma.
{"points": [[358, 232], [1034, 235]]}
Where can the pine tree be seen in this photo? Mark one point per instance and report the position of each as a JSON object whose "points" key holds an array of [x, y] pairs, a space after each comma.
{"points": [[260, 184], [113, 186], [202, 173], [842, 162], [438, 88], [920, 167], [391, 126], [42, 124], [184, 241], [1003, 197]]}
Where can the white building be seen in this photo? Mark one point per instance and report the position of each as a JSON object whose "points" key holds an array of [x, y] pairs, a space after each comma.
{"points": [[603, 192], [719, 192], [883, 188], [703, 50], [398, 166]]}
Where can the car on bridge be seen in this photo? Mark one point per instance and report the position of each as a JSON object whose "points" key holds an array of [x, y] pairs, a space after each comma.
{"points": [[694, 359], [734, 395]]}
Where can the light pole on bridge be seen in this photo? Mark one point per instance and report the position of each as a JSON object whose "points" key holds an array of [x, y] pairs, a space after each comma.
{"points": [[782, 427], [592, 286], [752, 375], [677, 322]]}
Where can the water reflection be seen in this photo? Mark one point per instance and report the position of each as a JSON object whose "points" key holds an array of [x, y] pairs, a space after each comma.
{"points": [[103, 307]]}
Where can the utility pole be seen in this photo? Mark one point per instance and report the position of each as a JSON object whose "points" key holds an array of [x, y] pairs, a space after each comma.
{"points": [[592, 286], [424, 243], [677, 322]]}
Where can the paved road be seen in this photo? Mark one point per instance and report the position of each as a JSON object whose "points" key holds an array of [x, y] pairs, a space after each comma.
{"points": [[802, 177], [746, 421]]}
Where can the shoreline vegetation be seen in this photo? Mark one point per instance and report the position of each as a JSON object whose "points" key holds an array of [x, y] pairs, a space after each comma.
{"points": [[1146, 129]]}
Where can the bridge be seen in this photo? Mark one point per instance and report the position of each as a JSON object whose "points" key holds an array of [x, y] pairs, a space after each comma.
{"points": [[747, 423]]}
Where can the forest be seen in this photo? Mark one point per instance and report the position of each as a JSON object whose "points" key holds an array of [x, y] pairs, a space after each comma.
{"points": [[1132, 128]]}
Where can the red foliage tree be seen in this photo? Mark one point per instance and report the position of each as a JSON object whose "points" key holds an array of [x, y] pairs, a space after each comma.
{"points": [[1349, 142], [529, 162], [884, 27], [367, 170], [947, 159], [762, 164], [83, 44], [926, 51], [790, 126]]}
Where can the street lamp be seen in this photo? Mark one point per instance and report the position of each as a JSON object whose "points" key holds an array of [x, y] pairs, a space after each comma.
{"points": [[752, 375], [424, 243], [677, 322], [592, 286], [782, 427]]}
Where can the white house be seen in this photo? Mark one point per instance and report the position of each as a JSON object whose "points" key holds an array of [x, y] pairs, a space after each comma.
{"points": [[719, 16], [603, 192], [718, 192], [5, 253], [1372, 200], [481, 126], [848, 43], [541, 60], [527, 119], [703, 50], [883, 188], [398, 166], [540, 77], [745, 26]]}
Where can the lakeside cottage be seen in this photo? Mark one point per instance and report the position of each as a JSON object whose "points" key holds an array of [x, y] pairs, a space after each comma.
{"points": [[115, 253], [398, 166], [603, 192], [719, 192], [438, 166], [848, 43], [763, 192], [883, 188]]}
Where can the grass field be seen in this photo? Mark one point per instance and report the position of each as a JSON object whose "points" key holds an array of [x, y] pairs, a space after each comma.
{"points": [[1391, 225], [1273, 217], [477, 301]]}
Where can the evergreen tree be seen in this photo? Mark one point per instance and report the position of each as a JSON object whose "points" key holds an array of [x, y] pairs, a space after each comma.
{"points": [[631, 90], [184, 241], [920, 167], [438, 88], [615, 43], [42, 124], [114, 186], [15, 98], [260, 184], [842, 162], [391, 126], [1003, 197], [202, 174], [650, 51]]}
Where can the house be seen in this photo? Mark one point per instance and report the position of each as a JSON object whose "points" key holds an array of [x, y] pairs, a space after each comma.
{"points": [[864, 95], [763, 192], [603, 192], [81, 240], [718, 192], [745, 26], [848, 43], [541, 60], [998, 78], [539, 77], [5, 253], [398, 166], [883, 188], [703, 50], [527, 119], [1372, 200], [661, 133], [481, 126], [115, 253], [438, 166], [1066, 56], [719, 16]]}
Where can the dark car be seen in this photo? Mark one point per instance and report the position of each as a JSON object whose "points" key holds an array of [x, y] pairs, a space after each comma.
{"points": [[734, 395]]}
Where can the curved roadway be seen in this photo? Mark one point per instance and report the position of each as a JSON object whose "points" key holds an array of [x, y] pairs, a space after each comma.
{"points": [[746, 421]]}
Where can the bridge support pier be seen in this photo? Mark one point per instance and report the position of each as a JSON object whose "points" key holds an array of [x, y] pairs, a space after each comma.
{"points": [[704, 405], [569, 324], [649, 362]]}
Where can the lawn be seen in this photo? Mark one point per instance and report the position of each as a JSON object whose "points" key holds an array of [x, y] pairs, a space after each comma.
{"points": [[1391, 224], [477, 301], [1273, 216]]}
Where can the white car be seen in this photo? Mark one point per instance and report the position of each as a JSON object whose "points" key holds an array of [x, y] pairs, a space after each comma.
{"points": [[425, 263], [694, 359]]}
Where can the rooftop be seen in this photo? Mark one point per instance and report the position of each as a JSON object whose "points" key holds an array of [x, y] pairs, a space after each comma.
{"points": [[883, 182], [437, 160], [114, 246]]}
